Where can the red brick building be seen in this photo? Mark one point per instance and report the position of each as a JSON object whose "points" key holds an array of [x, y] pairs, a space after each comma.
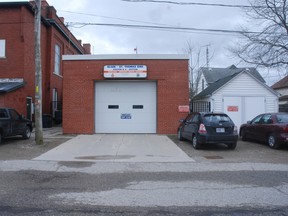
{"points": [[124, 93], [17, 68]]}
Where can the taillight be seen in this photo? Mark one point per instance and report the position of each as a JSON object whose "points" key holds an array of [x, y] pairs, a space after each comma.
{"points": [[202, 129], [286, 129], [235, 131]]}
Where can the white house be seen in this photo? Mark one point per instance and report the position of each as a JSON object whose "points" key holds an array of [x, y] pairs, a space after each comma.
{"points": [[239, 92], [282, 88]]}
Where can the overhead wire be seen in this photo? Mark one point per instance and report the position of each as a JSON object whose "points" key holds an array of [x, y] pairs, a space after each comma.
{"points": [[193, 3]]}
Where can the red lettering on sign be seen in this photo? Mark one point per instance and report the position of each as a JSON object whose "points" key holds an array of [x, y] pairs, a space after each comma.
{"points": [[232, 109], [183, 108]]}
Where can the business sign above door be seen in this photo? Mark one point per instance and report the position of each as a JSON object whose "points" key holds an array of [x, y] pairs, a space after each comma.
{"points": [[125, 71]]}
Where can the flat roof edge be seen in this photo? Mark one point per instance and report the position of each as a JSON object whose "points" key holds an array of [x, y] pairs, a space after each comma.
{"points": [[125, 57]]}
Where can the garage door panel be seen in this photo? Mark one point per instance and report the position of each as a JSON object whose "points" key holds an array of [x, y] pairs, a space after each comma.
{"points": [[125, 107]]}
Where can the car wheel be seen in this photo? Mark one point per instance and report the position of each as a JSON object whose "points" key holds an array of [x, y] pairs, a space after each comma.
{"points": [[272, 142], [195, 142], [179, 135], [243, 135], [27, 133], [232, 146]]}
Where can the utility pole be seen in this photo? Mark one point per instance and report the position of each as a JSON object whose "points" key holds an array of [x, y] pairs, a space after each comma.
{"points": [[38, 75]]}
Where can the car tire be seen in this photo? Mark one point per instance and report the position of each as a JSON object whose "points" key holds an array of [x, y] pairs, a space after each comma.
{"points": [[232, 146], [195, 142], [243, 135], [179, 135], [272, 142], [27, 133]]}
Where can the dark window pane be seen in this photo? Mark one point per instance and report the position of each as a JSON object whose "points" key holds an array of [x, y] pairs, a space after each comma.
{"points": [[138, 106], [113, 106]]}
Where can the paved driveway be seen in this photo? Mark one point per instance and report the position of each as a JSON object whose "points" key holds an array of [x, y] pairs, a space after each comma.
{"points": [[117, 148]]}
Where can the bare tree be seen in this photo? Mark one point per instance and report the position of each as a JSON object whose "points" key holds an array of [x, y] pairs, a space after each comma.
{"points": [[196, 56], [267, 44]]}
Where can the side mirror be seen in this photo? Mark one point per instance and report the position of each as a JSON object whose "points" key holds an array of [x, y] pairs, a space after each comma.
{"points": [[182, 120], [248, 122], [22, 117]]}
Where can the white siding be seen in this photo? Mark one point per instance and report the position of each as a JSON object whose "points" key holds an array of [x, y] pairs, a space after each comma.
{"points": [[283, 91], [202, 83], [244, 86]]}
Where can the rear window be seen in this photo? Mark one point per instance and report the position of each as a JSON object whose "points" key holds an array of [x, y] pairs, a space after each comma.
{"points": [[216, 118], [3, 113], [282, 118]]}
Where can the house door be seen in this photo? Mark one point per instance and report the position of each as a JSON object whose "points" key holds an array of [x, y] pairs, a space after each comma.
{"points": [[54, 102], [29, 108]]}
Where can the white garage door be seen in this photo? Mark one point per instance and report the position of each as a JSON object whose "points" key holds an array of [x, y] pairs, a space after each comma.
{"points": [[243, 109], [125, 107]]}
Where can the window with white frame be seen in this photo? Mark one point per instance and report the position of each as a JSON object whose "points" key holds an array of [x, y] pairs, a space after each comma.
{"points": [[57, 63], [2, 48]]}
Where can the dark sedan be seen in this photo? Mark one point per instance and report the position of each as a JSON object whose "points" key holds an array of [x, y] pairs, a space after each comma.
{"points": [[208, 128], [271, 128]]}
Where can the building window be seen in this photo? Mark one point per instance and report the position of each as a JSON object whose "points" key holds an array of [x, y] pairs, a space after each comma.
{"points": [[203, 84], [57, 63], [2, 49]]}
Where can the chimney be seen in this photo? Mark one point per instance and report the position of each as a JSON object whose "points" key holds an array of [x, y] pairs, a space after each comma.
{"points": [[44, 3], [62, 19], [87, 48], [80, 41]]}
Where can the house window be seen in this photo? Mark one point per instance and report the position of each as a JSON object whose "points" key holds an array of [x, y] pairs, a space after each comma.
{"points": [[57, 63], [2, 49], [203, 84]]}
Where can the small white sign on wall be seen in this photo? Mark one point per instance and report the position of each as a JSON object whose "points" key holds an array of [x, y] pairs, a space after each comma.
{"points": [[125, 71]]}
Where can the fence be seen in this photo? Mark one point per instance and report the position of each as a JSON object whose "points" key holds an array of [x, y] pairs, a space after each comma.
{"points": [[200, 106]]}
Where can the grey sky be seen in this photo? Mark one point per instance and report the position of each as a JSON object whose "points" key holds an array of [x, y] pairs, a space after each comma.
{"points": [[116, 40]]}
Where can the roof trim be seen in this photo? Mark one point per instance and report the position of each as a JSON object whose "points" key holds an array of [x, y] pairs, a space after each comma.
{"points": [[60, 29], [125, 57], [227, 80]]}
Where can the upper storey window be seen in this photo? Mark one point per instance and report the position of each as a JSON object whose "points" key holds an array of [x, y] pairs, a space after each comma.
{"points": [[57, 63], [2, 48]]}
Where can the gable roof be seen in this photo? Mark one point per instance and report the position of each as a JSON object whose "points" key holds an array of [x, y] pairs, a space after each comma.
{"points": [[221, 82], [283, 83], [214, 74]]}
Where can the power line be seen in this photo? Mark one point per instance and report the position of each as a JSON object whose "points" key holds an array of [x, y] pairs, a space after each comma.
{"points": [[193, 3], [164, 28], [108, 17]]}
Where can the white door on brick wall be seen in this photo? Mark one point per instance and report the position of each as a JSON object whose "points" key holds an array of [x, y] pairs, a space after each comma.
{"points": [[125, 107]]}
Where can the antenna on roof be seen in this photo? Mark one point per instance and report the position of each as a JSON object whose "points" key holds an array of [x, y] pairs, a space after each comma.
{"points": [[207, 55]]}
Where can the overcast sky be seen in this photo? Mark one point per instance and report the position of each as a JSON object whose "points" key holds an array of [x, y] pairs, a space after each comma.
{"points": [[119, 40]]}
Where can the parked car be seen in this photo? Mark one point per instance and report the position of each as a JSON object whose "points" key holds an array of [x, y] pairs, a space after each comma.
{"points": [[207, 128], [12, 124], [271, 128]]}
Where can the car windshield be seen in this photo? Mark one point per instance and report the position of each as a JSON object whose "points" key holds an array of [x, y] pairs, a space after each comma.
{"points": [[216, 118], [282, 118]]}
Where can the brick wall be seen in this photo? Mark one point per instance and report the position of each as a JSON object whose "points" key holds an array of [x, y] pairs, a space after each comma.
{"points": [[17, 28], [78, 95]]}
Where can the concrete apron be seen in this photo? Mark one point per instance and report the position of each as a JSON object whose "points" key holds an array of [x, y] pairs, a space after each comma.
{"points": [[117, 148]]}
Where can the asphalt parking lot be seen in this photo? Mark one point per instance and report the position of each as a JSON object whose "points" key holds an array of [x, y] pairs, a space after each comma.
{"points": [[18, 149]]}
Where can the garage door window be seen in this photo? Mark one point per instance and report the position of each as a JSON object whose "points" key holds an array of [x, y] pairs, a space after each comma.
{"points": [[113, 106], [138, 107]]}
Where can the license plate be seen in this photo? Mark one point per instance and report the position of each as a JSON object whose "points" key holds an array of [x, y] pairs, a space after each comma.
{"points": [[220, 130]]}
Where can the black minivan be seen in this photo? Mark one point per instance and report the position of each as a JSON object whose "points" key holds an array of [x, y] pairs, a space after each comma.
{"points": [[207, 128]]}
